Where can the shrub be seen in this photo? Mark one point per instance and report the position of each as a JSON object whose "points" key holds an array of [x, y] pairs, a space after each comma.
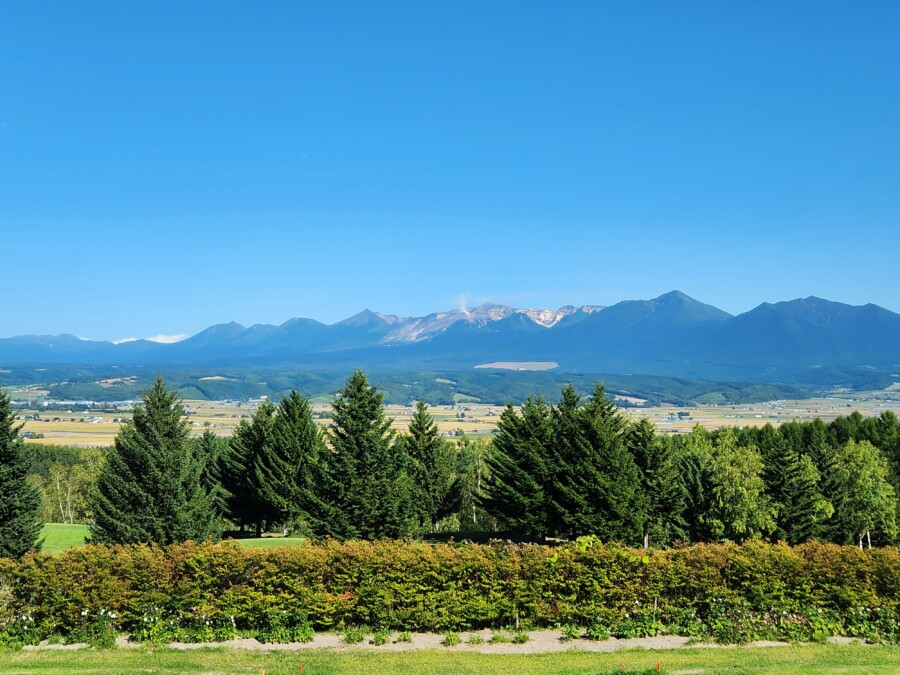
{"points": [[202, 592]]}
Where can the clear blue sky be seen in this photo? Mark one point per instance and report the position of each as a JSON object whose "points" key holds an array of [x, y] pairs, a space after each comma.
{"points": [[169, 165]]}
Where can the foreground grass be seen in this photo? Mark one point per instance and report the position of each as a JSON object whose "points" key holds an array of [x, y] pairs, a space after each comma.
{"points": [[796, 659], [60, 536]]}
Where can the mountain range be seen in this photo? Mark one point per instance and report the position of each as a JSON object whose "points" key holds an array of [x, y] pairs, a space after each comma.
{"points": [[807, 339]]}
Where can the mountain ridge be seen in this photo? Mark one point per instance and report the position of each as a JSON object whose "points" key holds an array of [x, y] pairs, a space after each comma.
{"points": [[672, 334]]}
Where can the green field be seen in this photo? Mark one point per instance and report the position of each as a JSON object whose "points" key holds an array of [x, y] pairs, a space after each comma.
{"points": [[806, 659], [59, 536]]}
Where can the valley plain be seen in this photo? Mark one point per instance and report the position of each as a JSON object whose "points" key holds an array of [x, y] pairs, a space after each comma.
{"points": [[98, 427]]}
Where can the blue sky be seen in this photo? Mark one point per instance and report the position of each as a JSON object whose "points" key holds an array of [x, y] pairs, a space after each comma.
{"points": [[166, 166]]}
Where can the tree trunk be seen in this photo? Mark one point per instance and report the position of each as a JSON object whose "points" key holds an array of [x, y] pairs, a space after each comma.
{"points": [[869, 538], [646, 539]]}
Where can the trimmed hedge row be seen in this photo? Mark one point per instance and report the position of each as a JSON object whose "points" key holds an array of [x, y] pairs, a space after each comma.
{"points": [[201, 592]]}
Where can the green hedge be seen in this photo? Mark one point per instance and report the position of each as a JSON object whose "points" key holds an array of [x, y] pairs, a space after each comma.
{"points": [[199, 592]]}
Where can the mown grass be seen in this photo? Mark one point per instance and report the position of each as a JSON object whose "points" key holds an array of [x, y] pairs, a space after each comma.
{"points": [[804, 659], [60, 536]]}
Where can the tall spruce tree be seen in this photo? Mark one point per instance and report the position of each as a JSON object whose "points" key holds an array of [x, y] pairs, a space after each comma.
{"points": [[804, 511], [210, 450], [364, 482], [284, 468], [565, 470], [432, 468], [20, 501], [520, 470], [693, 458], [238, 469], [664, 493], [150, 488], [605, 474]]}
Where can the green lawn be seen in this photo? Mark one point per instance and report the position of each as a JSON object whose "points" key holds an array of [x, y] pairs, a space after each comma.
{"points": [[59, 536], [271, 542], [805, 659]]}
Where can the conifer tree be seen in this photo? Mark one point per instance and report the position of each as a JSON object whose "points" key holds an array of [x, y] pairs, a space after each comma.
{"points": [[238, 469], [150, 489], [565, 470], [20, 501], [693, 458], [210, 450], [663, 492], [804, 511], [618, 505], [520, 469], [364, 481], [432, 467], [284, 468]]}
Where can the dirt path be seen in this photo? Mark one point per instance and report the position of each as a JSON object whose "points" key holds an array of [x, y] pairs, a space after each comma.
{"points": [[539, 642]]}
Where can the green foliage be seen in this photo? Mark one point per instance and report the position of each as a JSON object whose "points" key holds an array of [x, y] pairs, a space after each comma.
{"points": [[202, 592], [364, 482], [865, 500], [283, 468], [565, 470], [663, 491], [238, 468], [740, 508], [472, 473], [20, 501], [520, 637], [431, 467], [570, 632], [353, 635], [597, 631], [65, 476], [451, 639], [149, 489]]}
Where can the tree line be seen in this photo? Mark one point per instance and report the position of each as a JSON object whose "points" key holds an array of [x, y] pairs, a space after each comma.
{"points": [[555, 471]]}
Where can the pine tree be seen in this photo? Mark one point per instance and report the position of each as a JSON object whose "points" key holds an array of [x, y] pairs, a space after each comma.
{"points": [[210, 451], [20, 501], [283, 469], [607, 474], [519, 470], [364, 481], [804, 511], [150, 489], [693, 459], [663, 492], [238, 469], [565, 470], [432, 468]]}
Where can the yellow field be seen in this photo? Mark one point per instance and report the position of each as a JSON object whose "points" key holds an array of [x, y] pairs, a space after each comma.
{"points": [[99, 428]]}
